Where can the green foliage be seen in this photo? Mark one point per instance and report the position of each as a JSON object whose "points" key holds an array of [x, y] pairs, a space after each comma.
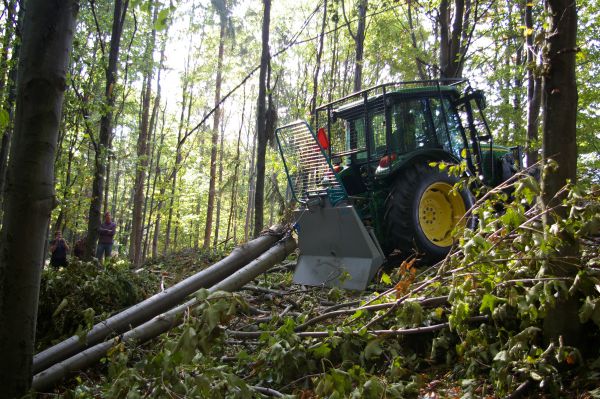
{"points": [[74, 298]]}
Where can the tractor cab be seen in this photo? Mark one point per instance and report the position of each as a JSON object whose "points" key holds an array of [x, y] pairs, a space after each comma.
{"points": [[369, 139]]}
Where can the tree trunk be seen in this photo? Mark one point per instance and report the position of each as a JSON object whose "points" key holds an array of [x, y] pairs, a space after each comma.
{"points": [[452, 50], [234, 183], [167, 320], [7, 42], [101, 153], [47, 38], [360, 44], [251, 191], [215, 137], [152, 195], [220, 191], [135, 246], [560, 94], [11, 89], [153, 122], [157, 304], [534, 90], [313, 101], [261, 122], [559, 144], [413, 40]]}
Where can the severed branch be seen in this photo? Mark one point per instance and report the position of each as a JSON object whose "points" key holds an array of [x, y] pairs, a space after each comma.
{"points": [[391, 332], [436, 301]]}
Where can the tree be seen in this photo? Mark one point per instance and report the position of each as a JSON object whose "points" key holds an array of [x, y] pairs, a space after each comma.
{"points": [[101, 148], [559, 143], [47, 38], [359, 40], [135, 246], [534, 85], [560, 97], [261, 122], [457, 20], [223, 18]]}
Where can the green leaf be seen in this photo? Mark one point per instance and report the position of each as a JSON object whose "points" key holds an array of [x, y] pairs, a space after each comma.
{"points": [[60, 307], [162, 19], [373, 349], [488, 302], [385, 278], [322, 350]]}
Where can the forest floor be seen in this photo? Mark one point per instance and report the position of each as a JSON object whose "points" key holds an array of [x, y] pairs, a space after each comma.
{"points": [[304, 366], [473, 326]]}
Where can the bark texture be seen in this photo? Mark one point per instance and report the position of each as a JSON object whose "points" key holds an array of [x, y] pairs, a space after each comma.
{"points": [[560, 96], [261, 123], [47, 39]]}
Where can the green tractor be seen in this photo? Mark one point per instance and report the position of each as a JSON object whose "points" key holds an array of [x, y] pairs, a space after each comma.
{"points": [[368, 181]]}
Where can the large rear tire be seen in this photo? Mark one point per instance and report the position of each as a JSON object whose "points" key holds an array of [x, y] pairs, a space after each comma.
{"points": [[422, 210]]}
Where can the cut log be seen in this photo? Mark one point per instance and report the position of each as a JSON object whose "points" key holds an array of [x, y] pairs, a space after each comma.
{"points": [[159, 303], [162, 323]]}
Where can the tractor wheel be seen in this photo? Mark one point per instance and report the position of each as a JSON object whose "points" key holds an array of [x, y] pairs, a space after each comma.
{"points": [[422, 210]]}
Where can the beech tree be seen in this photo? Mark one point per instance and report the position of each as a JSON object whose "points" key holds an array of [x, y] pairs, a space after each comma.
{"points": [[29, 198], [560, 96]]}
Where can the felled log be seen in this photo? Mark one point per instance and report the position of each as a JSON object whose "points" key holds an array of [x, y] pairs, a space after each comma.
{"points": [[159, 303]]}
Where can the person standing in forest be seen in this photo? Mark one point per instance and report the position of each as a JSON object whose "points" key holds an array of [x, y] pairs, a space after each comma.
{"points": [[58, 250], [106, 233]]}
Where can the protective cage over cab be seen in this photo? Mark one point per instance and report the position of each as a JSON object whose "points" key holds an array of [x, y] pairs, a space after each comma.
{"points": [[371, 155]]}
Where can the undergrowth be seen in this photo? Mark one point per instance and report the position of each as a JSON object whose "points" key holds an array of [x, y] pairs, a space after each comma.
{"points": [[508, 313]]}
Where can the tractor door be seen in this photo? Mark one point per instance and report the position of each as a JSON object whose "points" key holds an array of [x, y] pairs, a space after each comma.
{"points": [[480, 142]]}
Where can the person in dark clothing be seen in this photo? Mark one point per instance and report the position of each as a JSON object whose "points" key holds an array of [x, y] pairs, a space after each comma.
{"points": [[106, 232], [79, 248], [58, 250]]}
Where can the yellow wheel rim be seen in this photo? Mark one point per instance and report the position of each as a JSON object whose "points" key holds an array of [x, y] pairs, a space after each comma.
{"points": [[440, 210]]}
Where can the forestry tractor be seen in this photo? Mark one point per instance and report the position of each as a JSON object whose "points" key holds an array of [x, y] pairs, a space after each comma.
{"points": [[369, 181]]}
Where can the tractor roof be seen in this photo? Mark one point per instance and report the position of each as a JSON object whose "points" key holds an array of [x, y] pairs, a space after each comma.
{"points": [[355, 108]]}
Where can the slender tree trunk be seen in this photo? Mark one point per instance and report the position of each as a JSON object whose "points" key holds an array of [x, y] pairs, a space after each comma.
{"points": [[135, 247], [234, 183], [10, 106], [534, 90], [313, 101], [250, 209], [157, 224], [47, 38], [215, 137], [220, 191], [261, 122], [360, 44], [101, 153], [7, 42], [152, 195], [185, 98], [153, 123], [334, 64]]}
